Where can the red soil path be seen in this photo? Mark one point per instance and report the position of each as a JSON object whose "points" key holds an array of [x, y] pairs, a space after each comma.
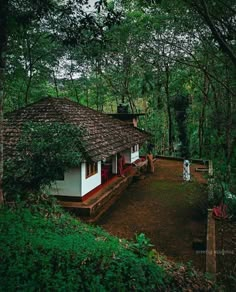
{"points": [[169, 211]]}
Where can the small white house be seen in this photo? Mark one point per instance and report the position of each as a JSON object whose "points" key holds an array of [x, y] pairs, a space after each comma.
{"points": [[79, 182], [104, 138], [132, 154]]}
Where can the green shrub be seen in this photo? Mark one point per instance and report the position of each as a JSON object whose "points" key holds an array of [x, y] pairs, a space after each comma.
{"points": [[222, 194], [43, 153], [58, 253], [44, 249], [142, 245]]}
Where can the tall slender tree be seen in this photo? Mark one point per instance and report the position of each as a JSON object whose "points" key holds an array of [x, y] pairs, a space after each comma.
{"points": [[3, 48]]}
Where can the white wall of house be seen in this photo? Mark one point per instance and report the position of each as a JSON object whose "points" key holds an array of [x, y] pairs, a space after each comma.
{"points": [[127, 155], [130, 156], [135, 155], [75, 183], [114, 164], [88, 184], [70, 186]]}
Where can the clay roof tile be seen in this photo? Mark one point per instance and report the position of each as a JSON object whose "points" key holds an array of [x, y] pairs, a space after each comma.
{"points": [[103, 137]]}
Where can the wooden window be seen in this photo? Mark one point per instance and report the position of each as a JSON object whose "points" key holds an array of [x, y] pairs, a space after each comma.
{"points": [[91, 168]]}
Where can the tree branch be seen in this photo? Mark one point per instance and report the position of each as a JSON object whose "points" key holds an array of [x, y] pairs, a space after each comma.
{"points": [[215, 32]]}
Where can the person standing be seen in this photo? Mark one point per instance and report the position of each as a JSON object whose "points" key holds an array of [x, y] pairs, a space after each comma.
{"points": [[120, 164], [150, 164], [186, 170]]}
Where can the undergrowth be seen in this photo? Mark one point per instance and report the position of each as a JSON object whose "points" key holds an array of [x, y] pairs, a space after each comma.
{"points": [[42, 250]]}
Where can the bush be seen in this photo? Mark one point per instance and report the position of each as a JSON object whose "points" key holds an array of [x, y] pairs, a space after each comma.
{"points": [[45, 249], [42, 154], [58, 253], [222, 194]]}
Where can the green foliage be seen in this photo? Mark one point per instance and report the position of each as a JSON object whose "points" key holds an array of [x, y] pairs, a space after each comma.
{"points": [[47, 250], [59, 253], [33, 59], [43, 153], [128, 63], [222, 194], [230, 201], [142, 245]]}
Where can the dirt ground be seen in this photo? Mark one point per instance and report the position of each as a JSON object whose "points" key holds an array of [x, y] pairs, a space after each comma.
{"points": [[169, 211]]}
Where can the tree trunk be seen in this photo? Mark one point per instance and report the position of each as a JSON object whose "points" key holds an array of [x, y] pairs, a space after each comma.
{"points": [[55, 83], [132, 104], [203, 10], [97, 94], [87, 97], [216, 100], [126, 71], [229, 129], [201, 130], [74, 86], [28, 58], [28, 88], [3, 49], [170, 134], [71, 77], [203, 114]]}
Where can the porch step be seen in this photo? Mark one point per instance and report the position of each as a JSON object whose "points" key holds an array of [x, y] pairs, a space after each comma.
{"points": [[91, 209]]}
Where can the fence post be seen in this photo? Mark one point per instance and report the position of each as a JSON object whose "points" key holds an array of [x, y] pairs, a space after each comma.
{"points": [[210, 168], [211, 246]]}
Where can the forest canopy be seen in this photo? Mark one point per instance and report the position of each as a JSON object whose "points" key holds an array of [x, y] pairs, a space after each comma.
{"points": [[173, 60]]}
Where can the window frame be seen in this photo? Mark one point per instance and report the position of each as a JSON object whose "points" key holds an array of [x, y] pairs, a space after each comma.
{"points": [[134, 148], [91, 168]]}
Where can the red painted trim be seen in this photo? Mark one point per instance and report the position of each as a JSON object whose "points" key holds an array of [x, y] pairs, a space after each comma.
{"points": [[98, 188], [126, 169], [91, 193]]}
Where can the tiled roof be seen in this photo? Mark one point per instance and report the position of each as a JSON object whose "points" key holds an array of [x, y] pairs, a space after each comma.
{"points": [[104, 136]]}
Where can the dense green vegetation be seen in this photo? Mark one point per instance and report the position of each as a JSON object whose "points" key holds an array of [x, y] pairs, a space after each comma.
{"points": [[43, 153], [44, 249], [173, 60]]}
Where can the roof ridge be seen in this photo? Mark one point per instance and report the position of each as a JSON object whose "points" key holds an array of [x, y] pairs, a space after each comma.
{"points": [[58, 110], [54, 102], [77, 104]]}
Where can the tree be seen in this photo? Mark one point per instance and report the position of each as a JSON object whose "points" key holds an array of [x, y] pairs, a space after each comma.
{"points": [[219, 17], [3, 48], [43, 153], [11, 13], [66, 19], [33, 57]]}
